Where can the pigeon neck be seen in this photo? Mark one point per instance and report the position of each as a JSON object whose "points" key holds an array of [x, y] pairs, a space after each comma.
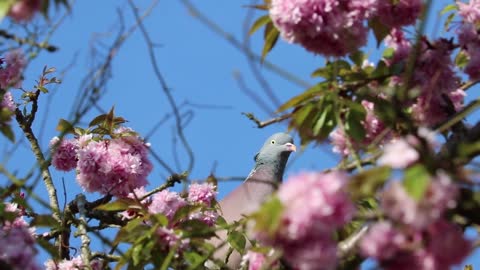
{"points": [[274, 170]]}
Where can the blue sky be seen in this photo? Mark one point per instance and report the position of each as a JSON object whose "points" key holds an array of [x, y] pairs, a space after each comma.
{"points": [[198, 66]]}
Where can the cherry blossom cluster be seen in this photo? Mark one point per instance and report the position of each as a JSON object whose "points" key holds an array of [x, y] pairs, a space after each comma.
{"points": [[401, 153], [373, 127], [11, 69], [315, 205], [168, 203], [257, 261], [72, 264], [468, 36], [337, 27], [17, 242], [9, 105], [434, 78], [113, 166], [416, 234], [24, 10]]}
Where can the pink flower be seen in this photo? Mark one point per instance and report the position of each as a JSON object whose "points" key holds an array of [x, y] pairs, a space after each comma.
{"points": [[115, 166], [258, 261], [329, 27], [64, 156], [314, 203], [435, 77], [439, 196], [8, 102], [312, 253], [17, 243], [202, 193], [382, 241], [137, 194], [11, 73], [470, 12], [447, 243], [72, 264], [167, 203], [397, 204], [398, 154], [401, 46], [24, 10], [169, 239], [438, 246], [314, 206], [399, 13], [373, 128], [207, 217]]}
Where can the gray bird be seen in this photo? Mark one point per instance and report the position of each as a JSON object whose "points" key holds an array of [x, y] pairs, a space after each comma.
{"points": [[262, 181]]}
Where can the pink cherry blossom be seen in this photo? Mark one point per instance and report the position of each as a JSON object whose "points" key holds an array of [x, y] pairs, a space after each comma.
{"points": [[312, 253], [254, 260], [24, 10], [167, 238], [314, 203], [382, 241], [206, 216], [167, 203], [399, 13], [17, 243], [8, 102], [11, 72], [202, 193], [72, 264], [115, 166], [329, 27], [398, 154], [373, 128], [469, 11], [439, 196], [64, 156]]}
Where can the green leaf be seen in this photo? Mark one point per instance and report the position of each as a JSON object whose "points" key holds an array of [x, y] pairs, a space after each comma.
{"points": [[259, 23], [42, 88], [267, 219], [194, 260], [271, 36], [388, 53], [448, 21], [358, 58], [461, 59], [5, 7], [237, 241], [353, 122], [196, 228], [448, 8], [8, 132], [301, 114], [97, 120], [310, 93], [64, 126], [44, 221], [380, 30], [366, 183], [118, 205], [416, 181], [325, 115]]}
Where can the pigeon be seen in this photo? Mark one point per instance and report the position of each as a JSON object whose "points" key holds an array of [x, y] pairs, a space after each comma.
{"points": [[262, 181]]}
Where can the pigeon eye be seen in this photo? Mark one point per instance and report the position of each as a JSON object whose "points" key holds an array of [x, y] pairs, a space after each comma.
{"points": [[273, 141]]}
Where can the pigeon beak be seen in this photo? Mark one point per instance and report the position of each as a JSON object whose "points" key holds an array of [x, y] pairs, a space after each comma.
{"points": [[291, 147]]}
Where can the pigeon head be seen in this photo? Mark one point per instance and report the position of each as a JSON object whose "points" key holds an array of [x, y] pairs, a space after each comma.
{"points": [[274, 154]]}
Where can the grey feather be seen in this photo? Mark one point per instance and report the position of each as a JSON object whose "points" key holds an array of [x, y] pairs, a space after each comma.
{"points": [[262, 181]]}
